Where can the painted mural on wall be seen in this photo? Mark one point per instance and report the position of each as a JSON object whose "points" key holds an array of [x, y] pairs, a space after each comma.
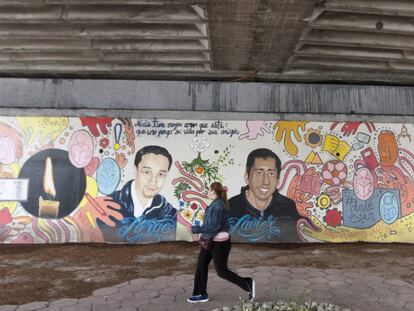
{"points": [[99, 179]]}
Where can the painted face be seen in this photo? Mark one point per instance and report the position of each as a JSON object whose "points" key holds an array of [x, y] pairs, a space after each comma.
{"points": [[262, 180], [150, 176]]}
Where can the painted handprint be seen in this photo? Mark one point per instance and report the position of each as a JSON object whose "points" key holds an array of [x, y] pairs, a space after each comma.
{"points": [[93, 123], [102, 208], [284, 130], [254, 129], [352, 127]]}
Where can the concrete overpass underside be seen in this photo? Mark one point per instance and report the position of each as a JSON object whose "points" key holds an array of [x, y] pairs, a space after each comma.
{"points": [[350, 41]]}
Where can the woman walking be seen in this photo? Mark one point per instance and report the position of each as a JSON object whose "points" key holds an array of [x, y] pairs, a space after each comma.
{"points": [[215, 244]]}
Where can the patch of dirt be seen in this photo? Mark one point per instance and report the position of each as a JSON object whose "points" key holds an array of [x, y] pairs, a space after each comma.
{"points": [[43, 272]]}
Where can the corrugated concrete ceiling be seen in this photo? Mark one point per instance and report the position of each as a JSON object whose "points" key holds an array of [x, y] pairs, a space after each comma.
{"points": [[350, 41]]}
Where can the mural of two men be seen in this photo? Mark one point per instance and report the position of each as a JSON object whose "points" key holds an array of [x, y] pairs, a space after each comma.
{"points": [[258, 214]]}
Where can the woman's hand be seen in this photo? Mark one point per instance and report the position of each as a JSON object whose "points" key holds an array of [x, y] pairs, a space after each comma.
{"points": [[195, 236]]}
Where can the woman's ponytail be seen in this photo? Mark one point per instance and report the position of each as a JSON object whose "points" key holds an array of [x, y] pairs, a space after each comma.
{"points": [[224, 198], [221, 192]]}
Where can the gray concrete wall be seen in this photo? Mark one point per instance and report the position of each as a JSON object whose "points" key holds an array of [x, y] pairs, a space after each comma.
{"points": [[160, 96]]}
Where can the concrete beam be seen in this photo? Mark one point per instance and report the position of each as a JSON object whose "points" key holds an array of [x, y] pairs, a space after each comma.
{"points": [[364, 22], [72, 67], [167, 57], [45, 44], [99, 58], [340, 63], [355, 39], [321, 51], [338, 75], [131, 13], [385, 7], [150, 45], [124, 31], [205, 115], [206, 96], [255, 36], [98, 13], [142, 2]]}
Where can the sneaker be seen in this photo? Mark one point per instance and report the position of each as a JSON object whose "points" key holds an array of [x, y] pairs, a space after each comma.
{"points": [[197, 298], [252, 289]]}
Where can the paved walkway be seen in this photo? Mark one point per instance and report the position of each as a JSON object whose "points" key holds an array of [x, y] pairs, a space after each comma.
{"points": [[354, 289]]}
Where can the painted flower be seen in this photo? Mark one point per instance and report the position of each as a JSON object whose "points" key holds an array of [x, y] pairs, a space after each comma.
{"points": [[200, 144], [200, 216], [104, 142], [194, 206], [333, 218], [188, 214], [199, 170]]}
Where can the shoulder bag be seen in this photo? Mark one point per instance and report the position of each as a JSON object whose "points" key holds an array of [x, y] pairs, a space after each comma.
{"points": [[206, 243]]}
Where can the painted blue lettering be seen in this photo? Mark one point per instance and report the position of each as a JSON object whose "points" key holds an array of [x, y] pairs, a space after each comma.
{"points": [[142, 229], [254, 229]]}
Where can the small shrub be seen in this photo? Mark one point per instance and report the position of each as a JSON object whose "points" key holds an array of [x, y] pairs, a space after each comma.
{"points": [[282, 305]]}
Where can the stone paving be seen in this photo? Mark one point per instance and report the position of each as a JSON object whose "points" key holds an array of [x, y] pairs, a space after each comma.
{"points": [[354, 289]]}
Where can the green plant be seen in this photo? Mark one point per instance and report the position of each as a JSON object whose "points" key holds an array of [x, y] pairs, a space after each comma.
{"points": [[298, 304], [201, 169], [180, 188], [274, 296]]}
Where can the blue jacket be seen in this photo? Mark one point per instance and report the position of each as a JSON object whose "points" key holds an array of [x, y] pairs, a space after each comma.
{"points": [[160, 208], [215, 220], [158, 222]]}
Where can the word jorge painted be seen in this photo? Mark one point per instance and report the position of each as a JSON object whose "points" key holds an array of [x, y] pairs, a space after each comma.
{"points": [[100, 179]]}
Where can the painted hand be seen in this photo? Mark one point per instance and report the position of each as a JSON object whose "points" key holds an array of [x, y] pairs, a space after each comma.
{"points": [[101, 208], [284, 130], [93, 123], [254, 129], [352, 127]]}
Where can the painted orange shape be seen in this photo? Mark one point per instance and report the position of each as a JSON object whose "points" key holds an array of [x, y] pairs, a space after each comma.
{"points": [[387, 148]]}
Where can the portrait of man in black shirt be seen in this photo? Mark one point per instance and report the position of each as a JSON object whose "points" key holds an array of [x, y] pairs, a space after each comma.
{"points": [[260, 213]]}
